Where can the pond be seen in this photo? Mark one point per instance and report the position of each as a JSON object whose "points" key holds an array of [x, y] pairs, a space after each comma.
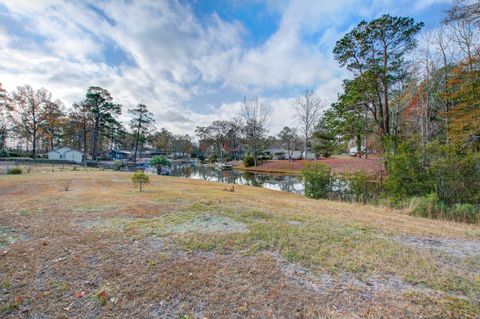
{"points": [[285, 183], [340, 188]]}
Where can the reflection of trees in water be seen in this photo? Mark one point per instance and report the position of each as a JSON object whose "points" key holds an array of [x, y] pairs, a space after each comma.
{"points": [[183, 170], [232, 177], [281, 182], [288, 184], [254, 179], [340, 189]]}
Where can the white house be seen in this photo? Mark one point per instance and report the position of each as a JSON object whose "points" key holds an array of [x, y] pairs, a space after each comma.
{"points": [[283, 154], [353, 150], [66, 154]]}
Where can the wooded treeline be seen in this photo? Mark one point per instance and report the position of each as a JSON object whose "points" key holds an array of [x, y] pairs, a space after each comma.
{"points": [[410, 84], [36, 122], [415, 96]]}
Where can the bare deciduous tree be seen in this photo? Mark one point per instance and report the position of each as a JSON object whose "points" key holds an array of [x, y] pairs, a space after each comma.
{"points": [[28, 105], [255, 115], [289, 138], [307, 109], [215, 134], [5, 118], [81, 119], [443, 45], [51, 119], [464, 10]]}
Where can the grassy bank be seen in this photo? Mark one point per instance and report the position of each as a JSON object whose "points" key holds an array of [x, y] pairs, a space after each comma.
{"points": [[186, 248], [339, 165]]}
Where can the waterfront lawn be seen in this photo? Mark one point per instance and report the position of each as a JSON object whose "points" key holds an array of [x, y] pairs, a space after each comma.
{"points": [[187, 248]]}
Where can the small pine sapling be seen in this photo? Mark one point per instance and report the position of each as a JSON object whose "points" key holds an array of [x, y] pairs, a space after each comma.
{"points": [[139, 179]]}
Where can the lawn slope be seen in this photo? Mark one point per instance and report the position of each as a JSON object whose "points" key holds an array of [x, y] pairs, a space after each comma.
{"points": [[187, 249]]}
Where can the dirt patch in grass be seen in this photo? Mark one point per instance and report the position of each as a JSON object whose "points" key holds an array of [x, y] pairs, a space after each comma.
{"points": [[453, 247], [209, 224], [168, 224], [105, 224], [95, 208]]}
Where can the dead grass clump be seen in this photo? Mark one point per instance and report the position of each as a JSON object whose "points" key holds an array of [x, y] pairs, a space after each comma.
{"points": [[95, 208], [66, 185]]}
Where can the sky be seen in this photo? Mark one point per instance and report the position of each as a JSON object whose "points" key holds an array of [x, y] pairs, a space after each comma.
{"points": [[191, 62]]}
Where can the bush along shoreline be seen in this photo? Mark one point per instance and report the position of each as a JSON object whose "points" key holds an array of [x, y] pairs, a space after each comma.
{"points": [[436, 181]]}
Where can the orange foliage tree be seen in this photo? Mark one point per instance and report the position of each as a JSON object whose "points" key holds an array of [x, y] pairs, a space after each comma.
{"points": [[464, 117]]}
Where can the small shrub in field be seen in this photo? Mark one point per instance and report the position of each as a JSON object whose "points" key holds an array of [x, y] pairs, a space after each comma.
{"points": [[317, 178], [102, 297], [428, 206], [464, 212], [249, 161], [14, 171], [66, 185], [139, 179]]}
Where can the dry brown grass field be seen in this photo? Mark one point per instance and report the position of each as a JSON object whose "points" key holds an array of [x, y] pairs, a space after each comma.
{"points": [[187, 249]]}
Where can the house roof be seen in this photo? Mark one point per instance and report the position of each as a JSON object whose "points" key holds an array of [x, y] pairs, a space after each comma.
{"points": [[121, 151], [64, 150]]}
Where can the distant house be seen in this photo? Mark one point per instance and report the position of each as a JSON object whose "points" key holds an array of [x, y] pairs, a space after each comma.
{"points": [[66, 154], [119, 155], [354, 152], [283, 154], [276, 153], [152, 152]]}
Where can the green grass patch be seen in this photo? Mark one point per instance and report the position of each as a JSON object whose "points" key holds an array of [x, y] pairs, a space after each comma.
{"points": [[7, 236]]}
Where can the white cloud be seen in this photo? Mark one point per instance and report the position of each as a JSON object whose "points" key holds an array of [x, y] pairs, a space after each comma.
{"points": [[173, 58]]}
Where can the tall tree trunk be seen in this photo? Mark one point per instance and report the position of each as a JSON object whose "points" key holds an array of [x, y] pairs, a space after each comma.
{"points": [[305, 146], [445, 91], [366, 135], [34, 143], [136, 148], [359, 145], [385, 93], [254, 153], [95, 137], [85, 142]]}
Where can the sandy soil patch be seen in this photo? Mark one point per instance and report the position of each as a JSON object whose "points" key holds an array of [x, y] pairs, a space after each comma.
{"points": [[210, 224], [453, 247]]}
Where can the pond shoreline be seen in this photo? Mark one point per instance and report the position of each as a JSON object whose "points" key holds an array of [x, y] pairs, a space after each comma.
{"points": [[339, 165]]}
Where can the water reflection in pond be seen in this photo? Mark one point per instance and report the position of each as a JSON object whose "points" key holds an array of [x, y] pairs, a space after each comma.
{"points": [[285, 183]]}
